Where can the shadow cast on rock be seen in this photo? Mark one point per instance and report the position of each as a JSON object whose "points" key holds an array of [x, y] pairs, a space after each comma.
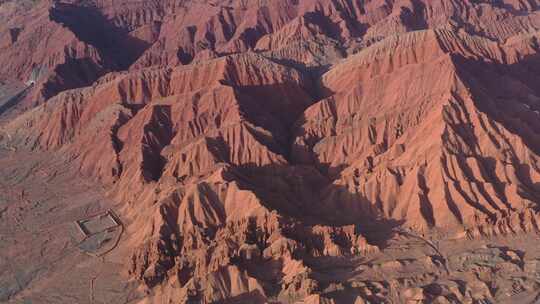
{"points": [[305, 195], [92, 27], [510, 96]]}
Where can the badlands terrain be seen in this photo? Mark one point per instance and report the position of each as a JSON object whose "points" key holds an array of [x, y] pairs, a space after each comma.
{"points": [[269, 151]]}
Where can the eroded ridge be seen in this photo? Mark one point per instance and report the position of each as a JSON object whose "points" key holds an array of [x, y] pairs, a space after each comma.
{"points": [[316, 151]]}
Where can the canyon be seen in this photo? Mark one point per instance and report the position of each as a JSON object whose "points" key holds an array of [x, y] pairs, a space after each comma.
{"points": [[270, 151]]}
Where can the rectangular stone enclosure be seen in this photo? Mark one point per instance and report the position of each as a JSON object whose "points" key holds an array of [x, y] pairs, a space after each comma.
{"points": [[98, 223]]}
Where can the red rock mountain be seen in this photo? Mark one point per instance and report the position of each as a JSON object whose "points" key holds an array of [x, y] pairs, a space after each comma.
{"points": [[248, 141]]}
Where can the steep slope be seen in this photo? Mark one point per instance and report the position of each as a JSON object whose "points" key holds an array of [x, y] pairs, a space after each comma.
{"points": [[58, 46], [426, 151], [188, 139], [315, 151]]}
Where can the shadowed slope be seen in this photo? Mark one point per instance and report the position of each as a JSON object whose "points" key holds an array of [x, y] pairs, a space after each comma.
{"points": [[267, 151]]}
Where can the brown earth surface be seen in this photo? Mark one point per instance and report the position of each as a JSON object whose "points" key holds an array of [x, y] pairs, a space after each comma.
{"points": [[270, 151]]}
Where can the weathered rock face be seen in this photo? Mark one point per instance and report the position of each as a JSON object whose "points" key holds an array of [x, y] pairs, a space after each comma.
{"points": [[423, 150], [247, 140]]}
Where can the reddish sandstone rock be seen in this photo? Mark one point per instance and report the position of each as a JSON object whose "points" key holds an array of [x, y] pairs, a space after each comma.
{"points": [[248, 142]]}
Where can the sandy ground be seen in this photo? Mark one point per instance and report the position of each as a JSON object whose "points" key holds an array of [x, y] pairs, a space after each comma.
{"points": [[39, 258]]}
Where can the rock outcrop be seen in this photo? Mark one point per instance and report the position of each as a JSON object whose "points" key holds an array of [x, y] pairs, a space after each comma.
{"points": [[248, 141]]}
